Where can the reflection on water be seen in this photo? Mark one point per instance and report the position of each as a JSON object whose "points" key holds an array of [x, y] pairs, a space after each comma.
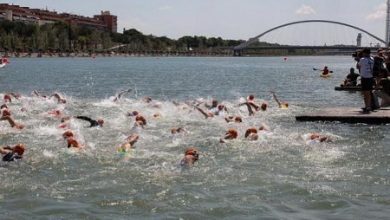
{"points": [[279, 176]]}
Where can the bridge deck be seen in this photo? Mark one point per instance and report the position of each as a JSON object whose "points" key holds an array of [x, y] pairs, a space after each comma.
{"points": [[348, 115]]}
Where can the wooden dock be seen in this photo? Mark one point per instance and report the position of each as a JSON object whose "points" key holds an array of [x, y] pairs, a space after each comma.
{"points": [[348, 115]]}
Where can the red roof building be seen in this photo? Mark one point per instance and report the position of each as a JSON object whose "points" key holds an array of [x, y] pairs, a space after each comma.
{"points": [[104, 21]]}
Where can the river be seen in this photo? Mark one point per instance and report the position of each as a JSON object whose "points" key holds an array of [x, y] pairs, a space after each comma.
{"points": [[280, 176]]}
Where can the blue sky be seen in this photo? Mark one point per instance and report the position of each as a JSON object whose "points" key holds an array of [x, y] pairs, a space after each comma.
{"points": [[233, 19]]}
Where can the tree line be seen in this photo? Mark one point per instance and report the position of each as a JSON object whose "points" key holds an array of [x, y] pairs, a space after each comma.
{"points": [[62, 37]]}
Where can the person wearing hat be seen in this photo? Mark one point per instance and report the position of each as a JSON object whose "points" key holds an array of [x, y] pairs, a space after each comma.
{"points": [[366, 67]]}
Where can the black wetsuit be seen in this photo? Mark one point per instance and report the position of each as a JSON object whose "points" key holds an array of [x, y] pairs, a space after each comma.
{"points": [[353, 78], [94, 123], [9, 157]]}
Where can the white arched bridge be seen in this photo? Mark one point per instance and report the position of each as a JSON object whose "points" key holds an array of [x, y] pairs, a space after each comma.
{"points": [[256, 38]]}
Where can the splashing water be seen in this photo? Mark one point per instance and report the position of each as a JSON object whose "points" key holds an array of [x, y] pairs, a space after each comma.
{"points": [[277, 176]]}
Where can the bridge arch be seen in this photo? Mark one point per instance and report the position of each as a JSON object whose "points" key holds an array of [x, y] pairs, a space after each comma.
{"points": [[255, 39]]}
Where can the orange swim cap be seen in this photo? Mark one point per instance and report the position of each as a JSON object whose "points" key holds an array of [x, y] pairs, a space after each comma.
{"points": [[67, 134], [19, 149], [233, 133], [250, 131], [264, 106]]}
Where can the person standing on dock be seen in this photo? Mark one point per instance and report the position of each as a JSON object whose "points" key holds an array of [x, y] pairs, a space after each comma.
{"points": [[365, 67]]}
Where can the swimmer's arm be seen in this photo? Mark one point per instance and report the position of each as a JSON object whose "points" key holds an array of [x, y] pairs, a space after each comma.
{"points": [[202, 111], [249, 108], [17, 96], [5, 150], [276, 99]]}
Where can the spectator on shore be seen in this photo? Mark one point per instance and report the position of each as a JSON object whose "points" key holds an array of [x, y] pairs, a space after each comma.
{"points": [[365, 67], [384, 94]]}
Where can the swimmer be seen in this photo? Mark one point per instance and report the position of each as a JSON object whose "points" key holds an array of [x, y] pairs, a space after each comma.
{"points": [[36, 93], [129, 143], [12, 122], [139, 119], [251, 134], [55, 113], [72, 142], [12, 153], [147, 99], [264, 106], [133, 113], [157, 115], [236, 119], [251, 101], [60, 100], [67, 134], [7, 96], [191, 155], [317, 138], [320, 137], [250, 110], [178, 130], [264, 127], [229, 135], [5, 111], [119, 95], [94, 123], [214, 104], [219, 110], [282, 105], [64, 122]]}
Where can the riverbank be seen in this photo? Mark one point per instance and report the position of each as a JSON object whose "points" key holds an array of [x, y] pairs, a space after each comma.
{"points": [[118, 54]]}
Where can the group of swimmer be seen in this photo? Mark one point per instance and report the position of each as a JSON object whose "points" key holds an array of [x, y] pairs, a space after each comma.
{"points": [[191, 154]]}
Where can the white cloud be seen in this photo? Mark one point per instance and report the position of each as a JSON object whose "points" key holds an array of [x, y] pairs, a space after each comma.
{"points": [[165, 8], [305, 10], [378, 13]]}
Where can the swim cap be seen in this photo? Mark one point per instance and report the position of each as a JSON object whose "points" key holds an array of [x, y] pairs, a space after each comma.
{"points": [[264, 106], [192, 151], [250, 131], [232, 132], [19, 149], [100, 122]]}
